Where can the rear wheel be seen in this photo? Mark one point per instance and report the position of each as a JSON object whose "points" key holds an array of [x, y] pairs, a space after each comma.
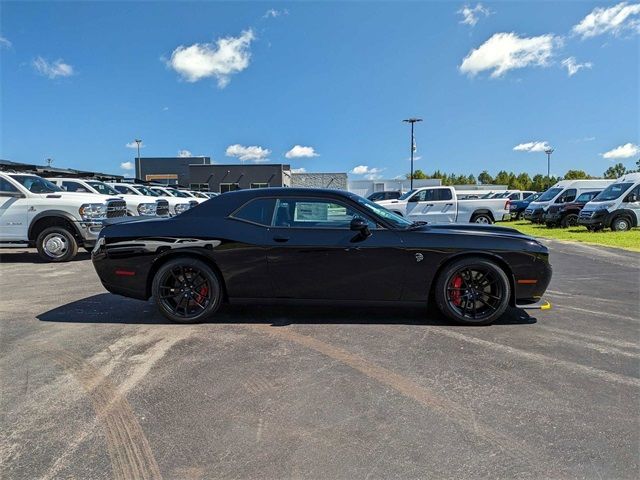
{"points": [[569, 220], [186, 290], [482, 218], [621, 224], [520, 216], [56, 244], [473, 291]]}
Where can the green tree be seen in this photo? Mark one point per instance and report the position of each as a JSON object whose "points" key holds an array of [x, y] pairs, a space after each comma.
{"points": [[523, 182], [576, 175], [484, 178], [417, 175], [502, 178], [616, 171]]}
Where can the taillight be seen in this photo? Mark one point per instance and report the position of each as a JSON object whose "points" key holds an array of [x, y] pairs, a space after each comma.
{"points": [[507, 204]]}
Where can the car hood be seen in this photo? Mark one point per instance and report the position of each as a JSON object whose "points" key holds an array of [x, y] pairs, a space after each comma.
{"points": [[474, 229], [80, 196]]}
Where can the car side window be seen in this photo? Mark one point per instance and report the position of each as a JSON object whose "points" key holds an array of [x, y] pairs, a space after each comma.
{"points": [[423, 196], [259, 210], [74, 187], [444, 194], [567, 196], [5, 186], [315, 213], [633, 196]]}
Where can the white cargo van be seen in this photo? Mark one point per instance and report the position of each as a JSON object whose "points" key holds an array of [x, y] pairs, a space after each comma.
{"points": [[562, 192], [616, 207]]}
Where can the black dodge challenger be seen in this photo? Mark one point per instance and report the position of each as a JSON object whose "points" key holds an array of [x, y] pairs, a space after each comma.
{"points": [[309, 245]]}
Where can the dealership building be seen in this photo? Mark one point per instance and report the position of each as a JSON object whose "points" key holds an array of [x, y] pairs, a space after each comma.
{"points": [[198, 173]]}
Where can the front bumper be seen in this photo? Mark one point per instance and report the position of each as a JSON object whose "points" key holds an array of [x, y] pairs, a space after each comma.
{"points": [[594, 218], [89, 231], [552, 217], [535, 216]]}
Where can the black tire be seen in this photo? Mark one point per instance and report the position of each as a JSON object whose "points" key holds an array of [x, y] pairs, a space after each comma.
{"points": [[191, 281], [493, 298], [569, 220], [621, 223], [483, 218], [56, 244], [520, 216], [550, 224]]}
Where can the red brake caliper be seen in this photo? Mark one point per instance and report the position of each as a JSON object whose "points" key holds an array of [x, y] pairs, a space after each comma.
{"points": [[455, 294], [202, 293]]}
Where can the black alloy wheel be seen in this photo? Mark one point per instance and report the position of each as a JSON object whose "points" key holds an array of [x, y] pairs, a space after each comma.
{"points": [[186, 290], [473, 291], [569, 220]]}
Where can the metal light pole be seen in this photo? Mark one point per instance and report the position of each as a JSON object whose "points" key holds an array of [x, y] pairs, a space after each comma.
{"points": [[412, 121], [548, 151], [138, 142]]}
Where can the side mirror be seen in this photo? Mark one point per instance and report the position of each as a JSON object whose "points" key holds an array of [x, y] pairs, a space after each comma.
{"points": [[415, 198], [360, 225], [631, 198]]}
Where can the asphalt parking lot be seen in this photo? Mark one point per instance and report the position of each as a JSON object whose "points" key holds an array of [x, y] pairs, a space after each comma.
{"points": [[99, 386]]}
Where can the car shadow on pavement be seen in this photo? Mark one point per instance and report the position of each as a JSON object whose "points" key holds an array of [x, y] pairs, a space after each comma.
{"points": [[31, 256], [107, 308]]}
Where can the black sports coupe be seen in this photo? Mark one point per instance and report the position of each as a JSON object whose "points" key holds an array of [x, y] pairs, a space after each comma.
{"points": [[309, 245]]}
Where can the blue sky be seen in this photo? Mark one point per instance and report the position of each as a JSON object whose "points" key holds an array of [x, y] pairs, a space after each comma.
{"points": [[81, 80]]}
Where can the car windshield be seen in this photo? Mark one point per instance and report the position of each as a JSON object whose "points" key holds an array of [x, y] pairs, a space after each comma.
{"points": [[36, 184], [396, 220], [550, 194], [146, 191], [612, 192], [404, 196], [103, 188], [178, 193]]}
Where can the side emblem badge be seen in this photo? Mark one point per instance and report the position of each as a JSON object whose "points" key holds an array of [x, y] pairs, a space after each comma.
{"points": [[419, 257]]}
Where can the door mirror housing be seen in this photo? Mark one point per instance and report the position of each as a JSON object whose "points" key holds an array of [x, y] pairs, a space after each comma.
{"points": [[631, 198], [360, 225]]}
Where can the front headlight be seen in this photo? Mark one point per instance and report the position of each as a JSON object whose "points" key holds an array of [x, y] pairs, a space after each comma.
{"points": [[93, 211], [182, 207], [147, 209], [604, 206]]}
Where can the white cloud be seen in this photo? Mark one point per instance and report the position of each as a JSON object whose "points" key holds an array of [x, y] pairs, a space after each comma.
{"points": [[164, 109], [627, 150], [614, 20], [253, 153], [370, 173], [470, 16], [4, 42], [52, 69], [273, 13], [184, 153], [298, 151], [127, 165], [299, 170], [134, 145], [532, 147], [573, 67], [507, 51], [228, 56]]}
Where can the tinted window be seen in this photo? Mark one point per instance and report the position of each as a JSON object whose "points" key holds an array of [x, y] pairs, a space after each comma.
{"points": [[443, 194], [423, 196], [257, 211], [103, 188], [5, 186], [586, 196], [314, 213], [125, 190], [36, 184], [74, 187], [567, 196], [612, 192], [549, 194]]}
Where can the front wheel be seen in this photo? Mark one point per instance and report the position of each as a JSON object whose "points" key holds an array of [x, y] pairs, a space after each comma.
{"points": [[482, 218], [569, 220], [621, 224], [472, 291], [186, 290], [56, 244]]}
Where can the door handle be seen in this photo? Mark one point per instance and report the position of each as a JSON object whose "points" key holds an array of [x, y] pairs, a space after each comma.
{"points": [[429, 205], [449, 205], [281, 239]]}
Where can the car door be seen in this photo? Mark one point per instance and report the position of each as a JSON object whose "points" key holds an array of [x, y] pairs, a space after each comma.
{"points": [[632, 202], [313, 254], [14, 213], [432, 205]]}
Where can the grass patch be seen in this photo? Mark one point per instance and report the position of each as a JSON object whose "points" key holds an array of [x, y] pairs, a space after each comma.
{"points": [[628, 240]]}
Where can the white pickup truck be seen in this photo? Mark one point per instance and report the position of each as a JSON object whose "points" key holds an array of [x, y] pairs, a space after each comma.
{"points": [[35, 212], [136, 204], [441, 205]]}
